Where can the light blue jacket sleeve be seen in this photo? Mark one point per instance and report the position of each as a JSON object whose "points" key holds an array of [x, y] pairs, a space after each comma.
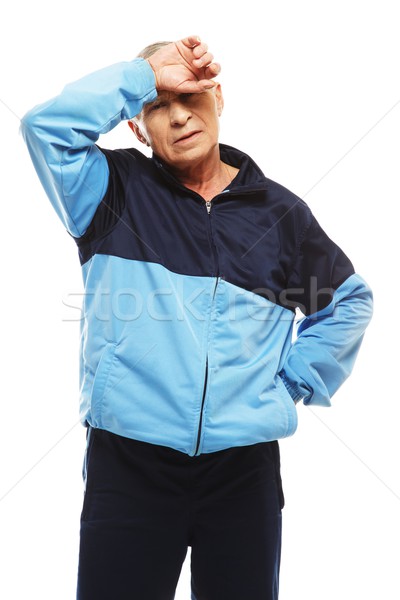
{"points": [[324, 353], [61, 135]]}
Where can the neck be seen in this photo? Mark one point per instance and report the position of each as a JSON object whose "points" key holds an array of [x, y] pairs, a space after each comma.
{"points": [[208, 177]]}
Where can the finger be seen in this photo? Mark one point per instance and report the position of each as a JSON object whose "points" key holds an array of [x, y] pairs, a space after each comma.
{"points": [[196, 87], [206, 84], [203, 61], [199, 50], [212, 70], [191, 41]]}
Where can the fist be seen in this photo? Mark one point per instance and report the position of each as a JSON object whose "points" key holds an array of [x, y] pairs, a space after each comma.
{"points": [[184, 67]]}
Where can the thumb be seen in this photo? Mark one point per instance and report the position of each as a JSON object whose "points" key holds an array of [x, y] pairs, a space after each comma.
{"points": [[196, 87]]}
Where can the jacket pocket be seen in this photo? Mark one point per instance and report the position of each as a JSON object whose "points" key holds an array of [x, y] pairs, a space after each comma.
{"points": [[291, 410], [100, 383]]}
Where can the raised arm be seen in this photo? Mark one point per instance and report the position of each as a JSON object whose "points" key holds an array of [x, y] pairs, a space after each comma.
{"points": [[61, 134]]}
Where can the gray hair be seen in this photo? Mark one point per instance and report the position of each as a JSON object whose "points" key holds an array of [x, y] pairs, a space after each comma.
{"points": [[151, 49]]}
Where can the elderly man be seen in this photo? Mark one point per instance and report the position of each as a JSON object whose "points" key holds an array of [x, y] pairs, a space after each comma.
{"points": [[194, 264]]}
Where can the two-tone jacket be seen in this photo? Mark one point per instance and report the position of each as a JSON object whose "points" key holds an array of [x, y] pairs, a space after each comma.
{"points": [[187, 336]]}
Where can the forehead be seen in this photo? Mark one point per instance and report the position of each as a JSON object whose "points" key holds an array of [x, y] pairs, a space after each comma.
{"points": [[165, 96], [201, 101]]}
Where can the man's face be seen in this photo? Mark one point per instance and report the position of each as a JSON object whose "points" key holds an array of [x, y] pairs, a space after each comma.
{"points": [[182, 129]]}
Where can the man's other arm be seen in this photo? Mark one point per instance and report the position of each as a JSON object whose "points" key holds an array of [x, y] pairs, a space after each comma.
{"points": [[337, 304]]}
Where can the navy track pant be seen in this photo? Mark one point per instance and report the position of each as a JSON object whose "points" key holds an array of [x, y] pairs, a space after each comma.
{"points": [[145, 504]]}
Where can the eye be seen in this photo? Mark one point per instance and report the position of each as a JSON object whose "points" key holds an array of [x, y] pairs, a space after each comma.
{"points": [[186, 96], [156, 106]]}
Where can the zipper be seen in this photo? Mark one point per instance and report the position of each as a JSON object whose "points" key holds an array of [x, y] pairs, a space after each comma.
{"points": [[201, 409], [208, 204], [216, 270], [199, 430]]}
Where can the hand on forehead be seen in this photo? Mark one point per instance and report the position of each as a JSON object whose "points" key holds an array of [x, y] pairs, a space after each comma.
{"points": [[185, 66]]}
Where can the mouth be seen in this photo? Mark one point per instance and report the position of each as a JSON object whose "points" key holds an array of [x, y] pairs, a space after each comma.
{"points": [[188, 137]]}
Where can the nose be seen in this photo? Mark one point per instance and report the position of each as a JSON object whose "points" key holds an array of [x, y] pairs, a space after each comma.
{"points": [[179, 113]]}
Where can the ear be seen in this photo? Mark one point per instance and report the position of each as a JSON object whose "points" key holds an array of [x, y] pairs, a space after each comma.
{"points": [[219, 98], [138, 132]]}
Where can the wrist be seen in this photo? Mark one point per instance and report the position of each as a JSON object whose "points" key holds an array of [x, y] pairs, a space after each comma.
{"points": [[154, 67]]}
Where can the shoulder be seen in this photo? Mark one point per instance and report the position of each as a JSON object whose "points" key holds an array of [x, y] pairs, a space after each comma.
{"points": [[279, 193], [126, 159], [253, 176]]}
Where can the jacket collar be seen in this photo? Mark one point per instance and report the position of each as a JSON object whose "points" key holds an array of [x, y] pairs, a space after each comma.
{"points": [[250, 177]]}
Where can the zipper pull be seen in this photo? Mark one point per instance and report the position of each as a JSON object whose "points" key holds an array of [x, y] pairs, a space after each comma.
{"points": [[208, 205]]}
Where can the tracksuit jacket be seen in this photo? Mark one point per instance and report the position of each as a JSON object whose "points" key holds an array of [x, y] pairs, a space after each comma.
{"points": [[187, 336]]}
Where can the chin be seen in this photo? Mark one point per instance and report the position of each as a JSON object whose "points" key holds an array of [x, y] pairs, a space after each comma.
{"points": [[194, 154]]}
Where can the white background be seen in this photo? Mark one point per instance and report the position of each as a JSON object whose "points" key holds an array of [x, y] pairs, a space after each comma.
{"points": [[312, 92]]}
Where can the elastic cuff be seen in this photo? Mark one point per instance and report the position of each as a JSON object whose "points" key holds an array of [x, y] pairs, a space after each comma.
{"points": [[291, 387], [144, 78]]}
